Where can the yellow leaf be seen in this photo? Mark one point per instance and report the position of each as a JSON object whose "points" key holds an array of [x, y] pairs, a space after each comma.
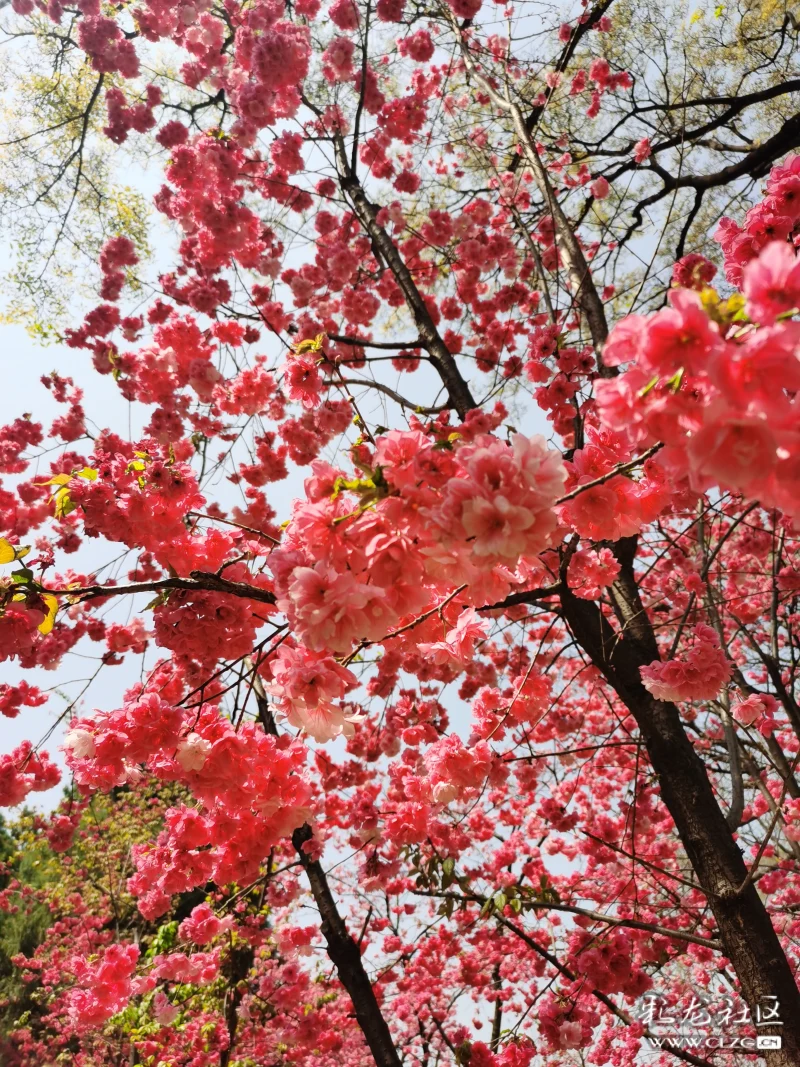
{"points": [[63, 479], [709, 298], [58, 479], [63, 503], [46, 625], [9, 553], [309, 345]]}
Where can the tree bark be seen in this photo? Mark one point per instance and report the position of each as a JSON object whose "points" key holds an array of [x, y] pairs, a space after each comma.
{"points": [[343, 951], [458, 391], [585, 293], [745, 929], [345, 955]]}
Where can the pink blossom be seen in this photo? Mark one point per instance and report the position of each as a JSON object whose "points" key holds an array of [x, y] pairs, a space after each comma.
{"points": [[453, 770], [753, 708], [693, 272], [458, 647], [192, 752], [201, 968], [337, 60], [698, 676], [591, 572], [333, 611], [502, 497], [164, 1012], [13, 697], [203, 925], [79, 743], [772, 282], [681, 335], [303, 381], [344, 14], [104, 987], [733, 451], [309, 687], [24, 771]]}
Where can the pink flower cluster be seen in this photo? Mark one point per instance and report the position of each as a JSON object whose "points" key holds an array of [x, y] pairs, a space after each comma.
{"points": [[138, 499], [590, 572], [774, 218], [454, 770], [722, 397], [464, 513], [501, 498], [457, 650], [203, 925], [24, 771], [251, 788], [105, 986], [309, 687], [13, 697], [698, 676]]}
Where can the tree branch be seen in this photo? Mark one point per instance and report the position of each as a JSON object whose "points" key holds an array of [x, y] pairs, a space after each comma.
{"points": [[458, 391], [198, 580], [343, 951], [745, 928]]}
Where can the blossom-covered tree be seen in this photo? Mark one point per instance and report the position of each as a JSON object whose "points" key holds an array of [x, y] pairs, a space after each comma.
{"points": [[512, 680]]}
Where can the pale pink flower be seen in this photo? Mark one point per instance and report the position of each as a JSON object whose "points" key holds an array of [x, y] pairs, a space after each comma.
{"points": [[502, 498], [333, 611], [307, 686], [570, 1034], [192, 752], [79, 743], [458, 647], [164, 1012]]}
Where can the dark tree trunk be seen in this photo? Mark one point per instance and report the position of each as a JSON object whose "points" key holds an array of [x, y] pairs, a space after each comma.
{"points": [[343, 951], [345, 955], [745, 929]]}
